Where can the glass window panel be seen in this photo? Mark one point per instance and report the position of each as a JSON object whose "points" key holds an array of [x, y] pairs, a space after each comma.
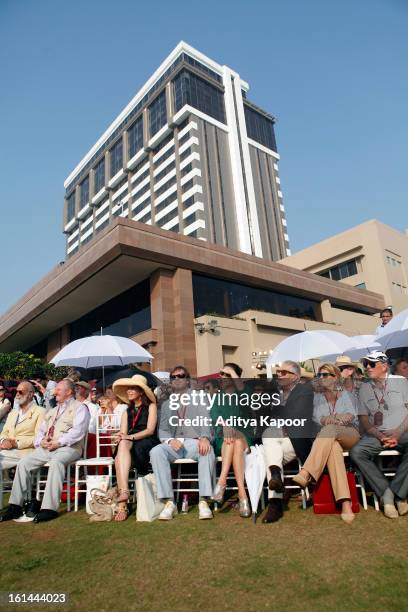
{"points": [[99, 175], [190, 89], [84, 192], [125, 315], [226, 298], [260, 128], [135, 137], [157, 114], [116, 158], [71, 207]]}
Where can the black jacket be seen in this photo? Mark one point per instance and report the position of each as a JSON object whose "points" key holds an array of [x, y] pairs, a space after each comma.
{"points": [[299, 405]]}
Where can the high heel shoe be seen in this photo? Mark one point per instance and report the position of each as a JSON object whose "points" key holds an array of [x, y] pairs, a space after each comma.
{"points": [[218, 494], [302, 479], [348, 517], [244, 508]]}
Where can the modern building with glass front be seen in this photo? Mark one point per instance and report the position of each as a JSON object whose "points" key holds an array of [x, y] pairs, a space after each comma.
{"points": [[190, 154], [173, 220]]}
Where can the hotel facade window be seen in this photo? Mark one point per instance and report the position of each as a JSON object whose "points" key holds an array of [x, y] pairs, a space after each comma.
{"points": [[343, 270], [71, 207], [125, 315], [99, 175], [116, 158], [228, 299], [84, 192], [135, 137], [157, 114], [260, 128], [190, 89]]}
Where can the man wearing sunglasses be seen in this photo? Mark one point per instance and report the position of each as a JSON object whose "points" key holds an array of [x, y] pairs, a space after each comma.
{"points": [[181, 439], [21, 427], [59, 442], [384, 418], [282, 447]]}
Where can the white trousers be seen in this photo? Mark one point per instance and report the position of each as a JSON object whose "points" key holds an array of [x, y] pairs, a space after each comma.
{"points": [[278, 451]]}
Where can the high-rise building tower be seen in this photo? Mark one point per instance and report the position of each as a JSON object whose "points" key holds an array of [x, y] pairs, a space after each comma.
{"points": [[190, 154]]}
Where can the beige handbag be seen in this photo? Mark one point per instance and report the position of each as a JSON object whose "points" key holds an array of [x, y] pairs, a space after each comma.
{"points": [[103, 505]]}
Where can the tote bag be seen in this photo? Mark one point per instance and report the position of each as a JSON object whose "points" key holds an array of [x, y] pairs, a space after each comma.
{"points": [[148, 506], [95, 482]]}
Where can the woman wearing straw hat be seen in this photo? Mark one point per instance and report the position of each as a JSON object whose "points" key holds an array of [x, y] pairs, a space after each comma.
{"points": [[137, 434], [348, 371]]}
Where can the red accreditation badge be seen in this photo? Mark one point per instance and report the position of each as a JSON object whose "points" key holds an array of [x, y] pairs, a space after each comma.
{"points": [[378, 419]]}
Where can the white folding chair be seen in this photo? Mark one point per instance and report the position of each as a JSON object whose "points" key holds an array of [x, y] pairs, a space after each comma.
{"points": [[386, 470], [181, 478], [106, 427], [288, 473], [41, 481], [5, 486], [360, 481]]}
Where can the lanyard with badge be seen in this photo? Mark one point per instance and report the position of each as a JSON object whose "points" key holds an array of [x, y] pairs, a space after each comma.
{"points": [[51, 430], [382, 406]]}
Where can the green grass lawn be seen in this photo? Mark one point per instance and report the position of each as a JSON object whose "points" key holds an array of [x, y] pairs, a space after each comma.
{"points": [[304, 561]]}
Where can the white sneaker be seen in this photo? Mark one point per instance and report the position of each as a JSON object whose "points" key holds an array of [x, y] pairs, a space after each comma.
{"points": [[168, 512], [24, 519], [204, 511]]}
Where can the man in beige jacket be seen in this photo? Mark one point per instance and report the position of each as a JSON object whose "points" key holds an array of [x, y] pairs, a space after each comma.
{"points": [[59, 442], [21, 427]]}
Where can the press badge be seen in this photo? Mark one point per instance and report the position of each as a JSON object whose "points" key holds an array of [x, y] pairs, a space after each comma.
{"points": [[378, 419]]}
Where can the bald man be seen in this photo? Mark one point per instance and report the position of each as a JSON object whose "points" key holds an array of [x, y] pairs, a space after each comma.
{"points": [[21, 427]]}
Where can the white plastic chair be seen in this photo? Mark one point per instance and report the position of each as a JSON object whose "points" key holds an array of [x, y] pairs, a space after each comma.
{"points": [[41, 481], [181, 478], [385, 470], [5, 486], [106, 426]]}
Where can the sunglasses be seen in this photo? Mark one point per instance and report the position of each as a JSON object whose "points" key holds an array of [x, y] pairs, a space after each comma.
{"points": [[370, 364], [284, 372], [19, 392], [174, 376], [225, 374], [325, 375], [345, 367]]}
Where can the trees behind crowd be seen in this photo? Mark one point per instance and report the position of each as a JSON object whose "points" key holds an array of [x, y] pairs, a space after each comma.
{"points": [[19, 366]]}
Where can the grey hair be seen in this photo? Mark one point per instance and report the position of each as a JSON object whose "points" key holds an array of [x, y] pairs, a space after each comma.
{"points": [[70, 385], [294, 365], [29, 386]]}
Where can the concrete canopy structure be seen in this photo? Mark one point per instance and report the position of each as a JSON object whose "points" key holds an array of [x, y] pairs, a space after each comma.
{"points": [[181, 277]]}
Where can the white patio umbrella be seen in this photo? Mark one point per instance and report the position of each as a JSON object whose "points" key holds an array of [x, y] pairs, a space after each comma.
{"points": [[163, 376], [362, 345], [101, 351], [310, 345], [255, 472], [395, 333]]}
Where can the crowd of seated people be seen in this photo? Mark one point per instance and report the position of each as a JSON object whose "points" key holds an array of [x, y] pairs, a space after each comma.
{"points": [[360, 408]]}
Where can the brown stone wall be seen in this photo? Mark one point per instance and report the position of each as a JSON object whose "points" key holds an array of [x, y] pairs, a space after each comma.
{"points": [[172, 315]]}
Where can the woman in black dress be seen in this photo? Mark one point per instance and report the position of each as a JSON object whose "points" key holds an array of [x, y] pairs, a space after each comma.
{"points": [[137, 434]]}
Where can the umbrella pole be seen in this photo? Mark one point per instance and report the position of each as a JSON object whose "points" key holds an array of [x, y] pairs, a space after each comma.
{"points": [[254, 517], [103, 369]]}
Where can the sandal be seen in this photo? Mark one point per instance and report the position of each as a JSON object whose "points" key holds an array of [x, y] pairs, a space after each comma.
{"points": [[121, 514], [123, 496]]}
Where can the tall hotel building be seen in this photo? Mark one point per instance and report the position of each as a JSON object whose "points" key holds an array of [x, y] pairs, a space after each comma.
{"points": [[189, 154], [174, 223]]}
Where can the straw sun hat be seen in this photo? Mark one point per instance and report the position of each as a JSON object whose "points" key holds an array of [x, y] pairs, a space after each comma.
{"points": [[121, 385], [344, 360]]}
